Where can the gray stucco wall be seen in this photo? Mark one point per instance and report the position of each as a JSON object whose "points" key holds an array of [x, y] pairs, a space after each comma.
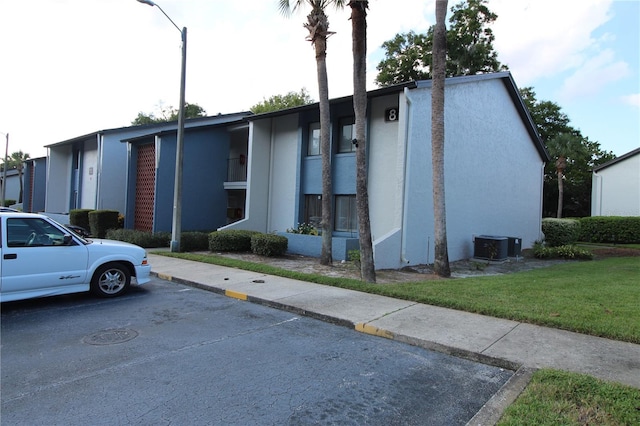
{"points": [[493, 172]]}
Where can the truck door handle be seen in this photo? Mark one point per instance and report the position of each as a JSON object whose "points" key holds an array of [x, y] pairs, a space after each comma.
{"points": [[11, 256]]}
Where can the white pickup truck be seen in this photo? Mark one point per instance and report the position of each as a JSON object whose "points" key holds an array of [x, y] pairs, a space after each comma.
{"points": [[39, 257]]}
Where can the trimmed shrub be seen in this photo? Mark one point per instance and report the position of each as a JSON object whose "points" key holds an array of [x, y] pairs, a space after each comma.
{"points": [[80, 217], [231, 240], [610, 229], [9, 202], [140, 238], [560, 232], [194, 241], [269, 244], [564, 252], [100, 221]]}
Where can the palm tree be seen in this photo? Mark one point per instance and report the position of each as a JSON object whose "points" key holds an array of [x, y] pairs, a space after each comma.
{"points": [[359, 41], [16, 161], [564, 148], [441, 261], [318, 27]]}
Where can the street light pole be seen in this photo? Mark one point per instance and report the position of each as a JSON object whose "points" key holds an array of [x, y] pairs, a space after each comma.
{"points": [[176, 224]]}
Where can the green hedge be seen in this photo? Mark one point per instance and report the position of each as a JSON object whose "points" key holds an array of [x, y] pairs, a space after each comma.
{"points": [[560, 232], [80, 217], [231, 240], [140, 238], [9, 202], [610, 229], [100, 221], [194, 241], [269, 244]]}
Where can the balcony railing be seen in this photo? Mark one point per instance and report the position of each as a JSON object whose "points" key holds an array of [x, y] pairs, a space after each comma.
{"points": [[237, 169]]}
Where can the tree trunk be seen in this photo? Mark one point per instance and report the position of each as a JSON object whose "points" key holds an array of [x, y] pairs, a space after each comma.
{"points": [[21, 184], [441, 262], [359, 39], [320, 44], [561, 164]]}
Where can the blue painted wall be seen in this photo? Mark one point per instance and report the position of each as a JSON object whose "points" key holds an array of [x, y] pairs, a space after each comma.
{"points": [[204, 199], [343, 166]]}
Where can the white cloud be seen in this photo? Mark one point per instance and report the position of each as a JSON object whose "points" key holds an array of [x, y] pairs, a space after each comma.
{"points": [[633, 100], [544, 38], [593, 75], [77, 66]]}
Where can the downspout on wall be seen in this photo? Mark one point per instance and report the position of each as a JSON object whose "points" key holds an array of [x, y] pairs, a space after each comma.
{"points": [[100, 143], [403, 233], [272, 142]]}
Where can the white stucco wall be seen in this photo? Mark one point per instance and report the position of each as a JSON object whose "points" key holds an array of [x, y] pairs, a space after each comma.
{"points": [[89, 175], [110, 174], [12, 190], [283, 183], [58, 179], [616, 189], [386, 162], [493, 172], [271, 175], [258, 163]]}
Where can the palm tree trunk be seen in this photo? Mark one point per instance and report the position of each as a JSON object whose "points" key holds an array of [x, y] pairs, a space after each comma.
{"points": [[359, 39], [561, 164], [320, 44], [441, 261]]}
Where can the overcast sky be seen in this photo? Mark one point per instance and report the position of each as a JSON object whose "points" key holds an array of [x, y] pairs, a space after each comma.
{"points": [[72, 67]]}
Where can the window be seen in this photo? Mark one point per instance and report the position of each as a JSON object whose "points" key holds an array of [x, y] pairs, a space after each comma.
{"points": [[32, 232], [314, 139], [347, 134], [313, 210], [345, 215]]}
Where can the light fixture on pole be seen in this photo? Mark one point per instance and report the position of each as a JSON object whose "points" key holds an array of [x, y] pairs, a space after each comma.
{"points": [[176, 225]]}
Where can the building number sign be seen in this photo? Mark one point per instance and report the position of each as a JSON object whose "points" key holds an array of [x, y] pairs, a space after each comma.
{"points": [[391, 114]]}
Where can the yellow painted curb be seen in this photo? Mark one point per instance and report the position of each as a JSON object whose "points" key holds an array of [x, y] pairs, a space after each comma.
{"points": [[235, 294], [164, 276], [375, 331]]}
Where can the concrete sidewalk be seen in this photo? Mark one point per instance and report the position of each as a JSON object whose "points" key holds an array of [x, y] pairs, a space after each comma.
{"points": [[510, 344]]}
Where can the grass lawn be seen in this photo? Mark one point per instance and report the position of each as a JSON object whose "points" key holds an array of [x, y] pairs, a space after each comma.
{"points": [[560, 398], [600, 297]]}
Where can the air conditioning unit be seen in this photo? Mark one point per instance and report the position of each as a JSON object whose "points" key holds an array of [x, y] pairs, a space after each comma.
{"points": [[490, 247], [514, 247]]}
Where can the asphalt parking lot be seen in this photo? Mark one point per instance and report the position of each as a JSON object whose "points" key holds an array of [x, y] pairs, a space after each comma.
{"points": [[171, 354]]}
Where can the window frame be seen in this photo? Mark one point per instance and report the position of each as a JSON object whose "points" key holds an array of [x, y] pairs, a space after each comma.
{"points": [[314, 149], [315, 201], [351, 217], [345, 144]]}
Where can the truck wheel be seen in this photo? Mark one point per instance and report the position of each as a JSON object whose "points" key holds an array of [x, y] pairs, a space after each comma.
{"points": [[110, 280]]}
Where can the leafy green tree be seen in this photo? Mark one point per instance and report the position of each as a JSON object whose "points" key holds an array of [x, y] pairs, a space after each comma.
{"points": [[470, 40], [469, 48], [318, 26], [169, 114], [16, 161], [567, 180], [407, 58], [280, 102]]}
